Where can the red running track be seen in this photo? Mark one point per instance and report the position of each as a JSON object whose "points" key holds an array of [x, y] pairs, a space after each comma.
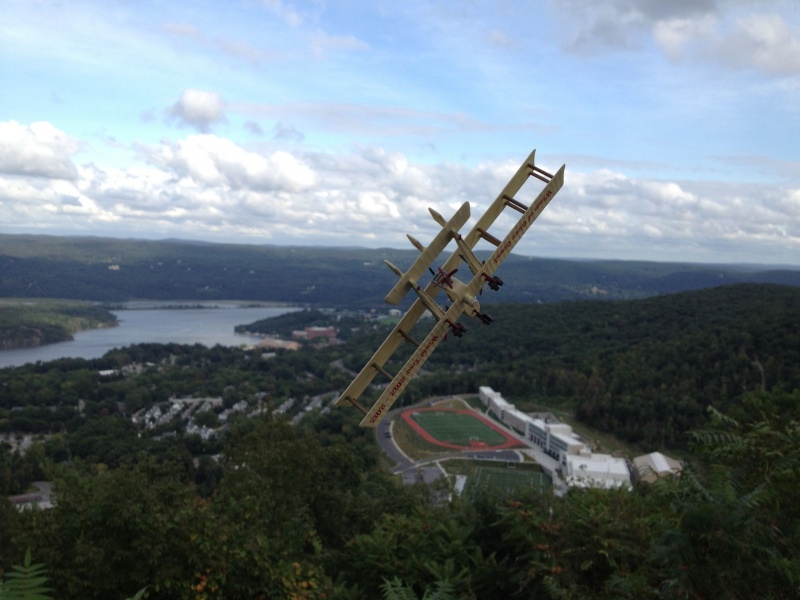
{"points": [[509, 443]]}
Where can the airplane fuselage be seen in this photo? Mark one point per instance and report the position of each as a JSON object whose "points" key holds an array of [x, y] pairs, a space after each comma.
{"points": [[459, 291]]}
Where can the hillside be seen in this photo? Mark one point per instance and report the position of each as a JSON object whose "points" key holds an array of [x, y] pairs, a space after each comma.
{"points": [[314, 513], [113, 270], [36, 322], [645, 370]]}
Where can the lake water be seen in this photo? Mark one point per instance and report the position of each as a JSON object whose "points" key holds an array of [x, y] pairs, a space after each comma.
{"points": [[207, 326]]}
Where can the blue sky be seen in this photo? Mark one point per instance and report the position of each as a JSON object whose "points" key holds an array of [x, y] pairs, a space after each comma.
{"points": [[339, 123]]}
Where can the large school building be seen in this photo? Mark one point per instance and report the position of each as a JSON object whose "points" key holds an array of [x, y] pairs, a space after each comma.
{"points": [[579, 465]]}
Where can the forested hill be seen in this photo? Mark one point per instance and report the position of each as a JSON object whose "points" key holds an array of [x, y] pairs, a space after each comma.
{"points": [[273, 510], [103, 269], [644, 370]]}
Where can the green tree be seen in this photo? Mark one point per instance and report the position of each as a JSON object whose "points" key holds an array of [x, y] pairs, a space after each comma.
{"points": [[112, 531], [735, 529]]}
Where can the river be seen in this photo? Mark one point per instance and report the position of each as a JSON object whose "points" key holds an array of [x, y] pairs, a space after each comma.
{"points": [[207, 326]]}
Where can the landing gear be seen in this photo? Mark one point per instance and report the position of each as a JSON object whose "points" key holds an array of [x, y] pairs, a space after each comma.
{"points": [[494, 282], [484, 317], [458, 329]]}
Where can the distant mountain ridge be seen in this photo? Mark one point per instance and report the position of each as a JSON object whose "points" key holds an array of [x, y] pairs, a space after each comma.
{"points": [[117, 270]]}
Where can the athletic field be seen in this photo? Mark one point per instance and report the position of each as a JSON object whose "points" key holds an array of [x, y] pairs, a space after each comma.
{"points": [[507, 481], [459, 429]]}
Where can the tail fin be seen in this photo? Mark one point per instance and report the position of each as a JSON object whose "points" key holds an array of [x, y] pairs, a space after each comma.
{"points": [[429, 253], [396, 271]]}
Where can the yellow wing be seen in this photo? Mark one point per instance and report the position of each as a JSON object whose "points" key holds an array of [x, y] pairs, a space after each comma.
{"points": [[481, 271], [429, 254], [412, 366], [520, 228], [505, 199], [399, 334]]}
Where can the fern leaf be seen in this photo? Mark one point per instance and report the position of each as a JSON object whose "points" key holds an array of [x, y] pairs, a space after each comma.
{"points": [[26, 582]]}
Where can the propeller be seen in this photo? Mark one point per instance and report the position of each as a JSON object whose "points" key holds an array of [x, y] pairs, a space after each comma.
{"points": [[441, 278]]}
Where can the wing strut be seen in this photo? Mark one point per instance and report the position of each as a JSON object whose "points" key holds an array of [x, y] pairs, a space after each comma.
{"points": [[383, 371], [357, 404], [488, 236], [515, 204], [408, 338]]}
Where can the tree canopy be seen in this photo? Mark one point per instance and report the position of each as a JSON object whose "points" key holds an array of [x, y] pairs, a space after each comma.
{"points": [[274, 510]]}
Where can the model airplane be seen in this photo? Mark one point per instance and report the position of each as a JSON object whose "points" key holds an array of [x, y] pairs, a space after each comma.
{"points": [[462, 295]]}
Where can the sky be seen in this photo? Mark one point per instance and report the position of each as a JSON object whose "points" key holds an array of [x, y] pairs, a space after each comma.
{"points": [[339, 122]]}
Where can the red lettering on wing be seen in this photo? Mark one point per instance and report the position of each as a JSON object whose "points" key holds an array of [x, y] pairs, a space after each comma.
{"points": [[523, 225], [421, 354], [378, 413], [398, 385]]}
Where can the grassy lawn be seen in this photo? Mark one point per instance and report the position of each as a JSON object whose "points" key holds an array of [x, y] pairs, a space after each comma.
{"points": [[410, 442], [497, 478], [454, 402], [475, 402], [388, 320]]}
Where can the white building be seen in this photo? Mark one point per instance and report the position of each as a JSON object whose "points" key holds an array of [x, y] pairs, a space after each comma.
{"points": [[597, 470], [486, 394], [556, 439], [580, 466], [656, 465]]}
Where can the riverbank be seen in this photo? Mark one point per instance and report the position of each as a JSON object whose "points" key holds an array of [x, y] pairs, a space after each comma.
{"points": [[35, 322], [150, 326], [30, 323]]}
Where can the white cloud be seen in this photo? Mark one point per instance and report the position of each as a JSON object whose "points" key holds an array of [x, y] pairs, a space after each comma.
{"points": [[287, 132], [286, 12], [208, 187], [501, 39], [363, 120], [180, 33], [322, 44], [214, 161], [253, 127], [765, 42], [674, 36], [706, 30], [198, 109], [38, 150], [667, 219]]}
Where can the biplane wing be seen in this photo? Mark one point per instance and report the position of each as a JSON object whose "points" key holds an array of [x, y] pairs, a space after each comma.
{"points": [[505, 199], [525, 221], [408, 280], [412, 366], [399, 334], [429, 253], [462, 295]]}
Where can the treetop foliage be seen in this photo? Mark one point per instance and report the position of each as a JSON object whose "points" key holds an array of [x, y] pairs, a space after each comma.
{"points": [[271, 510], [299, 514]]}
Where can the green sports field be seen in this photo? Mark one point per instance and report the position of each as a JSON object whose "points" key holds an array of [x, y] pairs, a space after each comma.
{"points": [[507, 481], [457, 428]]}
